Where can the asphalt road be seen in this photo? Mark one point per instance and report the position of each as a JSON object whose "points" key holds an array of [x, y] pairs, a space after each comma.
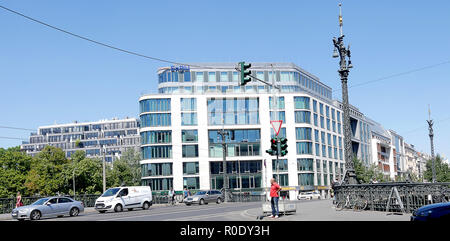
{"points": [[307, 210], [180, 212]]}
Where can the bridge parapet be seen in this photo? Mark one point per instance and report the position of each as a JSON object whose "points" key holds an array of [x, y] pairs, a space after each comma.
{"points": [[391, 197]]}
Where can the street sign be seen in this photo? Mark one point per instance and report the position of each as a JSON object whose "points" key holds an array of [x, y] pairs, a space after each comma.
{"points": [[276, 125]]}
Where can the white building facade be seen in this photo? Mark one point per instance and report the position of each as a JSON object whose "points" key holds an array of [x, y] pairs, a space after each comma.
{"points": [[181, 147]]}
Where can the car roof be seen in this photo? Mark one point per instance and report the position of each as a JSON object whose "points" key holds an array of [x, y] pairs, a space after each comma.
{"points": [[435, 205]]}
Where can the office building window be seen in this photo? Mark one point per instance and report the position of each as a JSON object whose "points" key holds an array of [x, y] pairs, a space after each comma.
{"points": [[188, 119], [188, 104], [304, 148], [278, 115], [281, 134], [303, 117], [190, 151], [189, 136], [211, 76], [156, 169], [156, 152], [156, 137], [154, 105], [276, 105], [158, 184], [190, 168], [306, 179], [191, 183], [301, 102], [305, 164], [233, 111], [303, 133], [156, 119], [281, 165]]}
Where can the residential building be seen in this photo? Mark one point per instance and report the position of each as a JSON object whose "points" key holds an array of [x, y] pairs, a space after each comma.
{"points": [[113, 137]]}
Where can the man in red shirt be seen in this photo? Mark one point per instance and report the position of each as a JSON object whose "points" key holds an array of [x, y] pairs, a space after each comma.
{"points": [[274, 196]]}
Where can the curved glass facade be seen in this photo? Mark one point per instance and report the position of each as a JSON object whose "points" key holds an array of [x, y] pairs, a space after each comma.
{"points": [[154, 105], [156, 119]]}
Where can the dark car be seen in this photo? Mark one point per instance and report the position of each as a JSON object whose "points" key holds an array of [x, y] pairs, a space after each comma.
{"points": [[437, 211]]}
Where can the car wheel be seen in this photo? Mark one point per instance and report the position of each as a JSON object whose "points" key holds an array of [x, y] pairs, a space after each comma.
{"points": [[35, 215], [102, 211], [118, 208], [74, 212], [202, 202], [219, 200], [146, 206]]}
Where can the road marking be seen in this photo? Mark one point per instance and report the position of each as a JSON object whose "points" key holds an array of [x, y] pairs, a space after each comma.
{"points": [[203, 216], [168, 213]]}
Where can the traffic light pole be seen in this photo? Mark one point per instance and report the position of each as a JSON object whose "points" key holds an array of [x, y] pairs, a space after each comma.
{"points": [[223, 134]]}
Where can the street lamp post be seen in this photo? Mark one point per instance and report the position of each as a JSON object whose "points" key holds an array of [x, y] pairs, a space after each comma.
{"points": [[430, 129], [342, 52], [223, 134]]}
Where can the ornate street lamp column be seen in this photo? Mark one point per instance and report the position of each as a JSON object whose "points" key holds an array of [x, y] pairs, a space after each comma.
{"points": [[342, 52], [430, 129]]}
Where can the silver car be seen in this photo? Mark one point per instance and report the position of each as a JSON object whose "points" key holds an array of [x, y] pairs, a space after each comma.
{"points": [[48, 207], [204, 197]]}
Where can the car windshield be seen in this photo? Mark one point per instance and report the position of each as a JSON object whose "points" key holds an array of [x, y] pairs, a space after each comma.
{"points": [[40, 201], [110, 192], [201, 193]]}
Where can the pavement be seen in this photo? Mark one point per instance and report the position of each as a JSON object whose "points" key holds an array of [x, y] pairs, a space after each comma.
{"points": [[307, 210], [323, 210]]}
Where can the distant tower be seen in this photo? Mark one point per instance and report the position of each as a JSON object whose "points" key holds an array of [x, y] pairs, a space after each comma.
{"points": [[430, 129]]}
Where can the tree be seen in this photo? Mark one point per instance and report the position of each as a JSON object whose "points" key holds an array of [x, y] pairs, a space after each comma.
{"points": [[366, 174], [132, 158], [125, 171], [46, 173], [87, 172], [442, 170], [14, 166]]}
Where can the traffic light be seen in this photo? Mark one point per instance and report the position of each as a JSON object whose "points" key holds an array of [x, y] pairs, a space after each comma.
{"points": [[283, 147], [245, 73], [273, 147]]}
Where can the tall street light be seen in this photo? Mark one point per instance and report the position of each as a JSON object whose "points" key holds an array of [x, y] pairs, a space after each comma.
{"points": [[430, 130], [342, 52]]}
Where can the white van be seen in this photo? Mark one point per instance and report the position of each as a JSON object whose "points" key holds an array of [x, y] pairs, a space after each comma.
{"points": [[118, 198]]}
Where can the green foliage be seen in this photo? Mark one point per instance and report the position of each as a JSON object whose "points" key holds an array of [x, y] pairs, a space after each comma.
{"points": [[126, 170], [50, 172], [46, 174], [14, 167], [366, 174], [442, 170], [87, 172]]}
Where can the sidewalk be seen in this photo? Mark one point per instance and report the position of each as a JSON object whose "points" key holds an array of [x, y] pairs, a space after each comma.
{"points": [[323, 210]]}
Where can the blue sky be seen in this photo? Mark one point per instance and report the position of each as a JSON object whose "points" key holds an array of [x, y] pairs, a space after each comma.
{"points": [[48, 77]]}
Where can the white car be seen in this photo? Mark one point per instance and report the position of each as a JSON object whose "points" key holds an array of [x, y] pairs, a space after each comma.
{"points": [[308, 195], [119, 198]]}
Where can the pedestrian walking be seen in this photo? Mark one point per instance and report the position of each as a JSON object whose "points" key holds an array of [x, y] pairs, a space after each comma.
{"points": [[171, 196], [185, 193], [19, 202], [274, 197]]}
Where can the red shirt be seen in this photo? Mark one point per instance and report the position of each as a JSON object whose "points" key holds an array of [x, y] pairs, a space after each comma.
{"points": [[274, 189]]}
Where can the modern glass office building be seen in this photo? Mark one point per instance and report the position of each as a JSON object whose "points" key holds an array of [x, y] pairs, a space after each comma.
{"points": [[179, 128], [108, 138]]}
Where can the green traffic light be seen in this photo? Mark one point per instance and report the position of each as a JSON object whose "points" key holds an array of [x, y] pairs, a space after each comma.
{"points": [[245, 73]]}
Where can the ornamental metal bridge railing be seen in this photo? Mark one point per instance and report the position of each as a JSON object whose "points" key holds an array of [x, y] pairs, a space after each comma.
{"points": [[390, 197]]}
